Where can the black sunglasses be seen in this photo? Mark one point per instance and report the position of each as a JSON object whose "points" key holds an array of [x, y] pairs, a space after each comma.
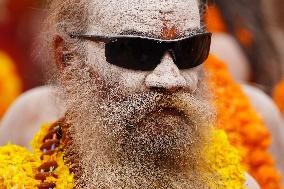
{"points": [[141, 53]]}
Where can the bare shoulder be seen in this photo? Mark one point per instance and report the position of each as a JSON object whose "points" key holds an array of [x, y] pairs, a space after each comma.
{"points": [[227, 49], [267, 109], [250, 182], [27, 113]]}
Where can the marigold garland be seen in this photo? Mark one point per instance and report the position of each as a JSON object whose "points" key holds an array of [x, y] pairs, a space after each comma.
{"points": [[223, 161], [18, 166], [214, 20], [278, 96], [10, 84], [245, 128], [65, 179]]}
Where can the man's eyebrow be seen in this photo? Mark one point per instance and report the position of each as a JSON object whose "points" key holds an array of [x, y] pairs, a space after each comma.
{"points": [[195, 31], [137, 33], [187, 33], [151, 35]]}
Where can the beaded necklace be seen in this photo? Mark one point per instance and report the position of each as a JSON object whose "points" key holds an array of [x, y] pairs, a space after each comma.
{"points": [[49, 148]]}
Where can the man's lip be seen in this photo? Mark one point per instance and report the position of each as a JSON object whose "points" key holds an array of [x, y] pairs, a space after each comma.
{"points": [[167, 111], [159, 111], [160, 127]]}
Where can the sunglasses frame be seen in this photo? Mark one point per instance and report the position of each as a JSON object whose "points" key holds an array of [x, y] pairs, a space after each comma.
{"points": [[103, 38]]}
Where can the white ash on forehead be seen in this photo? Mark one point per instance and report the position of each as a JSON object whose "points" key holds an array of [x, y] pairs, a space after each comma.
{"points": [[142, 16]]}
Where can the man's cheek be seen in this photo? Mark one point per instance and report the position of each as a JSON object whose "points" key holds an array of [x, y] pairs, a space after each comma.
{"points": [[192, 78], [114, 77], [133, 81]]}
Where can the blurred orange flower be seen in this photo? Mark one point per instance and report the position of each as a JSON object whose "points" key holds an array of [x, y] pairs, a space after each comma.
{"points": [[244, 36], [215, 23], [214, 20], [10, 84], [278, 96], [245, 128]]}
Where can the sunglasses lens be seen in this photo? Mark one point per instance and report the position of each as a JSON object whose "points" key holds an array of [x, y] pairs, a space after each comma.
{"points": [[134, 53], [145, 54], [193, 51]]}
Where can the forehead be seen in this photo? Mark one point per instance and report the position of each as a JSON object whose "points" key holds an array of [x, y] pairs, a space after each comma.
{"points": [[148, 17]]}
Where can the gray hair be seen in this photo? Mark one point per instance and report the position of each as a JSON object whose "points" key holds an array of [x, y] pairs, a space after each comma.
{"points": [[61, 18]]}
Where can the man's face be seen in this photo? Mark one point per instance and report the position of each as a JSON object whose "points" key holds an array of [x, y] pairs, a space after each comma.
{"points": [[141, 119], [159, 19]]}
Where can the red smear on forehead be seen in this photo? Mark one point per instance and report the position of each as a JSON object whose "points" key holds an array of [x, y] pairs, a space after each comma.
{"points": [[168, 33]]}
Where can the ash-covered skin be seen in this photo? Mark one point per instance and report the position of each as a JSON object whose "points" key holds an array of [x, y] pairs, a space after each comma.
{"points": [[131, 129], [144, 16], [143, 139], [147, 18]]}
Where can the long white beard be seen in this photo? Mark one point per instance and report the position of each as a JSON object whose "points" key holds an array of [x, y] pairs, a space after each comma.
{"points": [[129, 141]]}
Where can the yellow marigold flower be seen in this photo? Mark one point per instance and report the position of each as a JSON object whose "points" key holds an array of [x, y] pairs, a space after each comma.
{"points": [[38, 139], [17, 167], [10, 84], [224, 162]]}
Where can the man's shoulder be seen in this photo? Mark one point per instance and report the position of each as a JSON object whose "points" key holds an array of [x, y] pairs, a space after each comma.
{"points": [[19, 125]]}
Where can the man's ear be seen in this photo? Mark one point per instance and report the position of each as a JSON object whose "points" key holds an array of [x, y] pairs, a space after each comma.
{"points": [[59, 55]]}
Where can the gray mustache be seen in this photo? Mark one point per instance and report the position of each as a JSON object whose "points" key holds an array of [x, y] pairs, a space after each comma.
{"points": [[135, 107]]}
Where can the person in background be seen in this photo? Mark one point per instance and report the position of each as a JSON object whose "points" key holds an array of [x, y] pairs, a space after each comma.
{"points": [[244, 41]]}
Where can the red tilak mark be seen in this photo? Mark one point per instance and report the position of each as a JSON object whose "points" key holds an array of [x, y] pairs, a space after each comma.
{"points": [[169, 33]]}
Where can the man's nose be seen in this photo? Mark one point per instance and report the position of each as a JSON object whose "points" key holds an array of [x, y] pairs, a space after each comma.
{"points": [[166, 76]]}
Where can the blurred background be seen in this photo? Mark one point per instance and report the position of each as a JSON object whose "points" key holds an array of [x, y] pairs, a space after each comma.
{"points": [[18, 30]]}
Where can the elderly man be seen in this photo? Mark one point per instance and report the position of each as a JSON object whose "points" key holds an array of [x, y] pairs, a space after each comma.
{"points": [[137, 111]]}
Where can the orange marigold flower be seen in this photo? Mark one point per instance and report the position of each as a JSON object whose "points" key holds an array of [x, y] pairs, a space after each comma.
{"points": [[244, 36], [214, 20], [215, 23], [245, 128], [278, 96]]}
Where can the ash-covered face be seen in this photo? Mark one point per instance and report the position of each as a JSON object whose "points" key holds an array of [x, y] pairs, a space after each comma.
{"points": [[129, 127], [159, 19]]}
